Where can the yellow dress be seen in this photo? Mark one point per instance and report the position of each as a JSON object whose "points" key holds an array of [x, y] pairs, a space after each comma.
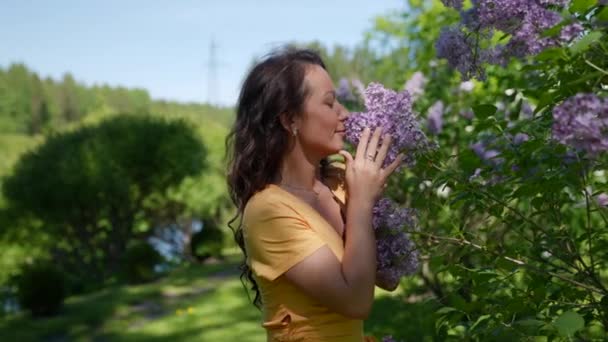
{"points": [[280, 230]]}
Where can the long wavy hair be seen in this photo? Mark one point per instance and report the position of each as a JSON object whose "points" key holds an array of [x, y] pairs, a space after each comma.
{"points": [[258, 141]]}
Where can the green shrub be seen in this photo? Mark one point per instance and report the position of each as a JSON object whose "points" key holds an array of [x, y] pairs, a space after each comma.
{"points": [[41, 289], [139, 262], [207, 243]]}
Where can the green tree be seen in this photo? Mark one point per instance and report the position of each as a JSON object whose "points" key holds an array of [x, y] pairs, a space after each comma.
{"points": [[68, 99], [92, 188]]}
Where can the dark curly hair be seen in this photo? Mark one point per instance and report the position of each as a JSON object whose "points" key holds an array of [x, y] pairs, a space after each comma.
{"points": [[258, 141]]}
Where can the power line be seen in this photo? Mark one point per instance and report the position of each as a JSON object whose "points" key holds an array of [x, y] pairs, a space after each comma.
{"points": [[212, 79]]}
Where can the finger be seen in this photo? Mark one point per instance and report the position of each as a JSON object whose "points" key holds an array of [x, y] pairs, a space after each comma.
{"points": [[373, 144], [393, 166], [348, 158], [360, 154], [386, 142]]}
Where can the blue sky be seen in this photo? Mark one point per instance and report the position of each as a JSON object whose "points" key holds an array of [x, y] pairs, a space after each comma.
{"points": [[163, 46]]}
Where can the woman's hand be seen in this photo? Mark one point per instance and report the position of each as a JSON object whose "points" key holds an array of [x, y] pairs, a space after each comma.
{"points": [[365, 177]]}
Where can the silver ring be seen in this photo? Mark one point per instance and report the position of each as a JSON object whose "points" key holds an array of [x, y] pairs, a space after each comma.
{"points": [[369, 157]]}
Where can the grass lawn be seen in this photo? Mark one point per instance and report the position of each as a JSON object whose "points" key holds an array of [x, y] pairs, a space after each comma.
{"points": [[193, 303]]}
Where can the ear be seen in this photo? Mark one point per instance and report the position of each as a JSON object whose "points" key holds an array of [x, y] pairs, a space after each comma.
{"points": [[287, 122]]}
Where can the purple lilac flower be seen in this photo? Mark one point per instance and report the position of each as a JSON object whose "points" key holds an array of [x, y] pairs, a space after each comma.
{"points": [[582, 123], [570, 32], [467, 114], [396, 253], [343, 92], [504, 15], [457, 4], [457, 49], [524, 20], [466, 86], [602, 199], [435, 117], [476, 174], [415, 85], [527, 112], [520, 138], [470, 19], [526, 38], [393, 112], [487, 155]]}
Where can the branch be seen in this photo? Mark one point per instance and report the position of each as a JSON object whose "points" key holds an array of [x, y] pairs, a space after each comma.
{"points": [[464, 242]]}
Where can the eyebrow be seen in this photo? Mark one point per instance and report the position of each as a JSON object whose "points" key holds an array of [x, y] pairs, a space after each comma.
{"points": [[331, 92]]}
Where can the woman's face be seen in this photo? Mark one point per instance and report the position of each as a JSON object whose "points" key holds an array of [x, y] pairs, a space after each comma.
{"points": [[321, 125]]}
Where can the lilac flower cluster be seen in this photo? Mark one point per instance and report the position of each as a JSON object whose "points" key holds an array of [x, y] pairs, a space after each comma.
{"points": [[393, 112], [396, 253], [415, 85], [602, 199], [458, 49], [487, 155], [523, 20], [582, 123], [435, 118], [349, 91], [457, 4]]}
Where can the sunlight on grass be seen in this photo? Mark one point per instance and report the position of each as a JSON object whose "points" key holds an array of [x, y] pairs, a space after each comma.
{"points": [[193, 303]]}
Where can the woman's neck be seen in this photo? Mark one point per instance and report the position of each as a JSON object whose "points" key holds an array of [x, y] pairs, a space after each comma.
{"points": [[299, 172]]}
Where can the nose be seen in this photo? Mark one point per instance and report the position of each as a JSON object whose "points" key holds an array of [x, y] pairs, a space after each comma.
{"points": [[343, 113]]}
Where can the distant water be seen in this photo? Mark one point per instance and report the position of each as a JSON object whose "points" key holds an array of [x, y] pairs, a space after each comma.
{"points": [[8, 300], [169, 240]]}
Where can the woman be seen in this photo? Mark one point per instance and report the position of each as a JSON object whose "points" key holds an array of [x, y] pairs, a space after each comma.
{"points": [[305, 223]]}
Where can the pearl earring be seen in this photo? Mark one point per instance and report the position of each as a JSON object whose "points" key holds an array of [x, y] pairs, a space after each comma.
{"points": [[295, 131]]}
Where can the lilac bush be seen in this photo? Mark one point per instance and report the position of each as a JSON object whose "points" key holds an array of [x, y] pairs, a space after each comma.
{"points": [[524, 21], [581, 122]]}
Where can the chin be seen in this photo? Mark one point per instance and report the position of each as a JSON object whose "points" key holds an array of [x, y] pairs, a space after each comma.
{"points": [[337, 148]]}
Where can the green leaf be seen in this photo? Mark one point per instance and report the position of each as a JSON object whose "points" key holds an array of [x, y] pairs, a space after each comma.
{"points": [[529, 326], [583, 43], [550, 54], [569, 323], [538, 202], [603, 14], [444, 310], [581, 6], [545, 100], [484, 110], [479, 320]]}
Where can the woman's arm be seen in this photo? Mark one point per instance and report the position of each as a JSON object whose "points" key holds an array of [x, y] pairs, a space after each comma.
{"points": [[348, 287]]}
